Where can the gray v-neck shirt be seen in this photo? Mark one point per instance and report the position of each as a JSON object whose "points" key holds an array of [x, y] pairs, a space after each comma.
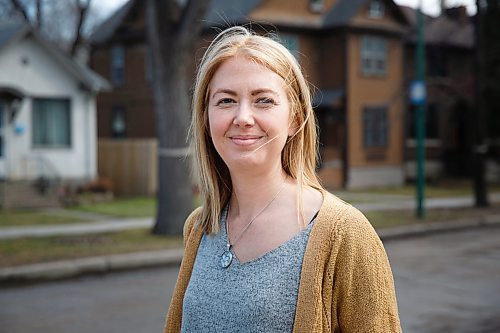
{"points": [[256, 296]]}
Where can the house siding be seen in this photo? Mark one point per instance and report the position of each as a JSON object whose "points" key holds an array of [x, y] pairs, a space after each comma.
{"points": [[29, 67], [385, 90]]}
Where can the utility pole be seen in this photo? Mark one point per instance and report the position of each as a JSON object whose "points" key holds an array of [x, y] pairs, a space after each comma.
{"points": [[418, 98], [480, 148]]}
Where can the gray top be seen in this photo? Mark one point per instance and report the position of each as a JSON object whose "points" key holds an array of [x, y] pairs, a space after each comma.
{"points": [[256, 296]]}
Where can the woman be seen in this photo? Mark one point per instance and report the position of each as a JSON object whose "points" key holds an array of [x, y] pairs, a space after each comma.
{"points": [[270, 250]]}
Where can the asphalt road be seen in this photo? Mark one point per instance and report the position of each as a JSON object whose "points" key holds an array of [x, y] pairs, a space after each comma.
{"points": [[445, 283]]}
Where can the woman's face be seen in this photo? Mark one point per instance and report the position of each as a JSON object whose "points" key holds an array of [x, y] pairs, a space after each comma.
{"points": [[248, 115]]}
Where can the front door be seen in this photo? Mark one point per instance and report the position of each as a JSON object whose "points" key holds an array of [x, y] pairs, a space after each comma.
{"points": [[3, 125]]}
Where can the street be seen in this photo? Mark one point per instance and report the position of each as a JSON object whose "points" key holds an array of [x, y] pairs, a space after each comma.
{"points": [[445, 283]]}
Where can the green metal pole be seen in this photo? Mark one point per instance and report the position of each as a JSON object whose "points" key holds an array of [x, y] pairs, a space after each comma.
{"points": [[420, 115]]}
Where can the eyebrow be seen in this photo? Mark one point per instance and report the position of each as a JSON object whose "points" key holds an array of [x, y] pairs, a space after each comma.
{"points": [[253, 93], [224, 91]]}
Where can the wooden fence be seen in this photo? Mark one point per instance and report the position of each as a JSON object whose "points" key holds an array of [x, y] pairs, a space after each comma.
{"points": [[131, 165]]}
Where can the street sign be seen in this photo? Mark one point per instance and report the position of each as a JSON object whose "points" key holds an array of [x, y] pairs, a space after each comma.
{"points": [[418, 93]]}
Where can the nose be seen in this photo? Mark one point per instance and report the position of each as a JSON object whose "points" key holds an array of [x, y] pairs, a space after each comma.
{"points": [[243, 116]]}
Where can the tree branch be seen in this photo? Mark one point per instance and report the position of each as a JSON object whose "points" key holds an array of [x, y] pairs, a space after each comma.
{"points": [[39, 14], [82, 10], [18, 6], [191, 22]]}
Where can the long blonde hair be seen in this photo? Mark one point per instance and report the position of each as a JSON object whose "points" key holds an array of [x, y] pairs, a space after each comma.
{"points": [[299, 156]]}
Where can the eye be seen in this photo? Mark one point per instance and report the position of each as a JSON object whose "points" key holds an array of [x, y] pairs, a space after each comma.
{"points": [[265, 100], [225, 101]]}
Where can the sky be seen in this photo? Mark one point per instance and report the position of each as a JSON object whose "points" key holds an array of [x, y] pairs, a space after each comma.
{"points": [[430, 7]]}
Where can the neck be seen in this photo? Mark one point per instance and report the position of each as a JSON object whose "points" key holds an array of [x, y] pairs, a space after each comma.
{"points": [[252, 192]]}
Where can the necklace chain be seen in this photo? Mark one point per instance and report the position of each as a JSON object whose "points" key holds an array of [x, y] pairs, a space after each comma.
{"points": [[229, 245]]}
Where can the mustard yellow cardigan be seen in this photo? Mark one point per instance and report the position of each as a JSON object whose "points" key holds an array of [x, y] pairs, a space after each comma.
{"points": [[346, 283]]}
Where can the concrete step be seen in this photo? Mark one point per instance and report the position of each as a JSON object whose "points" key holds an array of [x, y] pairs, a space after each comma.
{"points": [[25, 194]]}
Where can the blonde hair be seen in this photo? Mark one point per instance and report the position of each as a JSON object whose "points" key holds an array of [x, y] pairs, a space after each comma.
{"points": [[299, 155]]}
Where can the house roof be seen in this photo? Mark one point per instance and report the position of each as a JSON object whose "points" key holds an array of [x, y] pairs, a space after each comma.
{"points": [[13, 31], [342, 12], [220, 13], [273, 12], [445, 30]]}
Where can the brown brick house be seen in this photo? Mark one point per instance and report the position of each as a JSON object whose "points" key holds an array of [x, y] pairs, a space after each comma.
{"points": [[351, 50]]}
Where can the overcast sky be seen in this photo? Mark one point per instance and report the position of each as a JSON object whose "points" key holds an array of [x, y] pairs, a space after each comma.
{"points": [[430, 7]]}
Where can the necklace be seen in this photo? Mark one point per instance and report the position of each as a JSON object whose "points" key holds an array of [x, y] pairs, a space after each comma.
{"points": [[227, 256]]}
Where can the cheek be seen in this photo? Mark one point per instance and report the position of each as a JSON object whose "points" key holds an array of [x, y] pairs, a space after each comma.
{"points": [[216, 125]]}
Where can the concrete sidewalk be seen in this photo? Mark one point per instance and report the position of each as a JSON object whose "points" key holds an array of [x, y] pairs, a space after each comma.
{"points": [[382, 202], [110, 263], [75, 228]]}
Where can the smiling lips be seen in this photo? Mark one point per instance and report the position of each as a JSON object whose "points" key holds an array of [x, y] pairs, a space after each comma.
{"points": [[245, 140]]}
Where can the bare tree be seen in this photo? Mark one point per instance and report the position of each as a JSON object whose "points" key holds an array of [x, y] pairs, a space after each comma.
{"points": [[173, 32], [68, 24]]}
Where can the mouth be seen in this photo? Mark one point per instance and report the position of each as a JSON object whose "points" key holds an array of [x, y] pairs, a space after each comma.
{"points": [[245, 140]]}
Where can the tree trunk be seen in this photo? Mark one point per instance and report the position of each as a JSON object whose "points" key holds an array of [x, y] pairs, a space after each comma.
{"points": [[172, 36]]}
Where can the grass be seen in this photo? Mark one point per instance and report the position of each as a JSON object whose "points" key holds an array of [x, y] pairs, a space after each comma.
{"points": [[28, 217], [35, 250], [122, 207], [386, 219], [431, 191]]}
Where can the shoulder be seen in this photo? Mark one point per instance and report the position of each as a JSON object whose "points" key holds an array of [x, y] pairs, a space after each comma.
{"points": [[191, 222], [343, 222]]}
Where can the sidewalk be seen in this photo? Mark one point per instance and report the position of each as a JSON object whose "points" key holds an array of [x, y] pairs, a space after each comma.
{"points": [[109, 263]]}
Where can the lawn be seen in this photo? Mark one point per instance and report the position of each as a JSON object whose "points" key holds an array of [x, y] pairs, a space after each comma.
{"points": [[9, 218], [35, 250], [431, 191], [385, 219], [122, 207]]}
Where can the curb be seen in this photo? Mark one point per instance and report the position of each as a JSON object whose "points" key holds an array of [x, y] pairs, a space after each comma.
{"points": [[423, 229], [71, 268], [119, 262]]}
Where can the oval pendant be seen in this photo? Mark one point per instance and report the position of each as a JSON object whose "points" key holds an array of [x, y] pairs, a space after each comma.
{"points": [[225, 259]]}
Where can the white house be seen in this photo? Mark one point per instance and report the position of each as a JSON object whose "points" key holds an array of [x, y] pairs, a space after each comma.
{"points": [[47, 109]]}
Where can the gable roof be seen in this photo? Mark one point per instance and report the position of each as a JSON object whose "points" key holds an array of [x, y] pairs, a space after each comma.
{"points": [[13, 31], [444, 30], [220, 13], [229, 12], [343, 11]]}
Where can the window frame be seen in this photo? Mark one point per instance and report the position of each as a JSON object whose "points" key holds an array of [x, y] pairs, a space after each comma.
{"points": [[376, 9], [376, 126], [373, 52], [37, 122], [117, 66], [118, 111]]}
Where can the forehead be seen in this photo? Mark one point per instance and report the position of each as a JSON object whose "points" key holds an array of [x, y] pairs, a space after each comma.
{"points": [[242, 72]]}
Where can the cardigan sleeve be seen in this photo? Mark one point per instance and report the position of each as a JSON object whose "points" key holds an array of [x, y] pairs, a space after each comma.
{"points": [[363, 291], [191, 238], [188, 225]]}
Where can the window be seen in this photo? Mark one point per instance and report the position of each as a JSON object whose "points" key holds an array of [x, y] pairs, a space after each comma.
{"points": [[117, 65], [373, 55], [291, 42], [376, 9], [118, 123], [316, 6], [375, 127], [51, 123]]}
